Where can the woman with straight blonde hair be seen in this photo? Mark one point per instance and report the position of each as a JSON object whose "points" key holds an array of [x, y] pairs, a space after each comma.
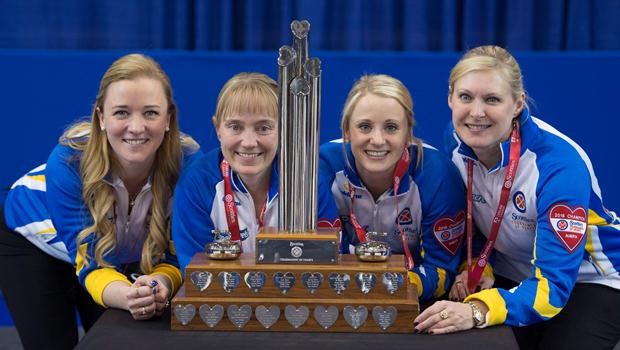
{"points": [[534, 196], [102, 202], [385, 180], [241, 172]]}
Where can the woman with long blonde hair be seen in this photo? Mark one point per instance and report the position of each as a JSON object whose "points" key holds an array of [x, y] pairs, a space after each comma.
{"points": [[103, 200]]}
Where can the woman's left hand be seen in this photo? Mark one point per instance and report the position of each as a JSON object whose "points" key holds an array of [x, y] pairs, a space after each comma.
{"points": [[159, 290], [444, 317]]}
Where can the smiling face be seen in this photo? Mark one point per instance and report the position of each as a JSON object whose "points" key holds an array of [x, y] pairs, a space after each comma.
{"points": [[378, 132], [483, 108], [249, 143], [135, 118]]}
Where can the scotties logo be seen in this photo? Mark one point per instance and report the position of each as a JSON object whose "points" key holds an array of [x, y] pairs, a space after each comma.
{"points": [[404, 218], [519, 201], [449, 231], [569, 224]]}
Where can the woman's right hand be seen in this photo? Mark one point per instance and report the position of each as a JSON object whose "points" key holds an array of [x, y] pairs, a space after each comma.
{"points": [[459, 291]]}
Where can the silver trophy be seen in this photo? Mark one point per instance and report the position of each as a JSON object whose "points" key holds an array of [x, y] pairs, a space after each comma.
{"points": [[296, 240]]}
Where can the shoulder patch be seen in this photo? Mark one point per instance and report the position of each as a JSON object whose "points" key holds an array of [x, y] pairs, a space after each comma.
{"points": [[569, 224], [449, 231]]}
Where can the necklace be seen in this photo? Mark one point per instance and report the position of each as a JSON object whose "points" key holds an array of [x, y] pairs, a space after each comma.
{"points": [[132, 200]]}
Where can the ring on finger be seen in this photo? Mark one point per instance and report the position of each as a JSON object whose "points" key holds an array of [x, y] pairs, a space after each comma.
{"points": [[443, 314], [143, 311], [459, 281]]}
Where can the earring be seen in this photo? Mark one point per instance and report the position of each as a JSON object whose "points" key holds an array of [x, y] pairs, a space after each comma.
{"points": [[167, 128], [102, 128]]}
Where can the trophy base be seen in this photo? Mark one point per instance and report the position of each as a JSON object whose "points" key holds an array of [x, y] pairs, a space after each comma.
{"points": [[320, 247]]}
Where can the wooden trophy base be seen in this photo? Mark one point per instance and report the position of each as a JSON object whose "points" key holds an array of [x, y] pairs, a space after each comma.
{"points": [[349, 296], [273, 247]]}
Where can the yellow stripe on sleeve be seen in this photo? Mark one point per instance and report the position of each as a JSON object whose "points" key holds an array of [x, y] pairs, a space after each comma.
{"points": [[415, 279], [496, 304], [541, 302], [441, 283], [173, 274]]}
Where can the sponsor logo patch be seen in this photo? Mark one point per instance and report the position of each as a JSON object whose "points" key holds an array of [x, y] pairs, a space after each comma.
{"points": [[405, 218], [519, 201], [569, 224], [449, 231]]}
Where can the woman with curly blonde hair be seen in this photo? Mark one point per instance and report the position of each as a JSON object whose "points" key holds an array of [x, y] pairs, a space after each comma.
{"points": [[103, 200]]}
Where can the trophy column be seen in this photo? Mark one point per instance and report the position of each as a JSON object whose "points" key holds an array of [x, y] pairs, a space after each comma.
{"points": [[297, 240]]}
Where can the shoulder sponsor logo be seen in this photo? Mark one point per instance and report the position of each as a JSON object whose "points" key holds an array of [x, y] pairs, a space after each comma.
{"points": [[478, 198], [449, 231], [405, 218], [519, 201], [569, 224]]}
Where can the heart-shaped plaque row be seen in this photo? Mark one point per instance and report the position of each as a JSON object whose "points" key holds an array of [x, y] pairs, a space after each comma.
{"points": [[296, 316], [284, 281]]}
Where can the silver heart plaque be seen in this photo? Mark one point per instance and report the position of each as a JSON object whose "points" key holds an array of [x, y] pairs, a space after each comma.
{"points": [[365, 281], [355, 317], [392, 281], [184, 313], [267, 316], [201, 279], [312, 281], [326, 317], [239, 316], [211, 316], [255, 280], [339, 282], [384, 318], [296, 316], [284, 281], [228, 280]]}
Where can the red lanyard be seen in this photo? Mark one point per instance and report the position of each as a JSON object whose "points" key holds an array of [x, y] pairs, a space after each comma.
{"points": [[474, 273], [231, 208], [401, 168]]}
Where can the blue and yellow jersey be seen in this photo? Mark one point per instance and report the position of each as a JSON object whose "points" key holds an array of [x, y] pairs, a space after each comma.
{"points": [[555, 232], [46, 207], [429, 207]]}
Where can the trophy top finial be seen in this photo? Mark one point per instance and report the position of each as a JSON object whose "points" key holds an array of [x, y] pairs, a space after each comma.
{"points": [[313, 67], [300, 29], [286, 55]]}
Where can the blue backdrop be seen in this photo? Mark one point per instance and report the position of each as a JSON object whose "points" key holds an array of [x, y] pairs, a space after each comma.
{"points": [[402, 25], [42, 92]]}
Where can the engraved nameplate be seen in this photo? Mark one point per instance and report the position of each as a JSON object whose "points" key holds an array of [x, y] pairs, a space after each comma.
{"points": [[255, 280], [201, 279], [355, 317], [325, 317], [312, 280], [239, 316], [184, 313], [296, 316], [267, 316], [211, 316]]}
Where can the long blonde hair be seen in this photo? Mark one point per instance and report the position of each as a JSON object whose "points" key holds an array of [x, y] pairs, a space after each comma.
{"points": [[381, 85], [97, 160]]}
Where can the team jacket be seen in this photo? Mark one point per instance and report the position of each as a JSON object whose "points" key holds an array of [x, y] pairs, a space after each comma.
{"points": [[55, 192], [199, 207], [431, 211], [555, 231]]}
